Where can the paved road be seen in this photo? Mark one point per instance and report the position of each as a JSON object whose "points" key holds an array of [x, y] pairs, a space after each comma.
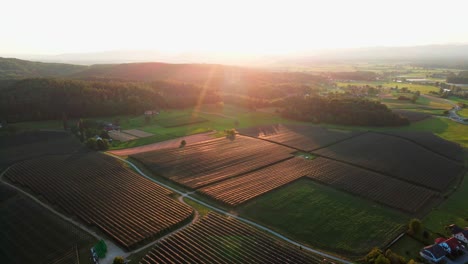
{"points": [[187, 195], [452, 112], [113, 250]]}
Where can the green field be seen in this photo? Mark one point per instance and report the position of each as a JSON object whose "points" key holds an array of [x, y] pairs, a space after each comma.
{"points": [[452, 211], [326, 218], [423, 88], [407, 247]]}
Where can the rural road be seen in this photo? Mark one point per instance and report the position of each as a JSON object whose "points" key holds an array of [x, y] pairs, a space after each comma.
{"points": [[452, 112], [187, 195], [112, 249]]}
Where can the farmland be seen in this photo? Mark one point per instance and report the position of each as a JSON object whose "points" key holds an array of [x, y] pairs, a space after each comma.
{"points": [[240, 189], [30, 234], [370, 185], [14, 148], [395, 157], [433, 142], [217, 239], [326, 218], [210, 161], [99, 191], [300, 137]]}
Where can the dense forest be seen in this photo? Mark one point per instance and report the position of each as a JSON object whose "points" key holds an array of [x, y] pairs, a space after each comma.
{"points": [[461, 78], [46, 98], [342, 110]]}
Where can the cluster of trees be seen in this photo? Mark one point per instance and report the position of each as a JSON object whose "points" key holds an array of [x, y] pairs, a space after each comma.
{"points": [[461, 78], [92, 134], [47, 98], [337, 109], [377, 256]]}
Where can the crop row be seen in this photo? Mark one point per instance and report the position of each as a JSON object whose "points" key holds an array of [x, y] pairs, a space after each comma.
{"points": [[396, 157], [433, 142], [374, 186], [204, 163], [30, 234], [97, 189], [218, 239], [305, 138], [370, 185], [240, 189]]}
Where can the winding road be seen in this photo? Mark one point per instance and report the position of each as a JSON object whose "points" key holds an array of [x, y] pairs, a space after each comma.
{"points": [[266, 229]]}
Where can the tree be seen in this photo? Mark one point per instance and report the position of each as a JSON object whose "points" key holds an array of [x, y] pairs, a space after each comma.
{"points": [[118, 260], [415, 226], [381, 259]]}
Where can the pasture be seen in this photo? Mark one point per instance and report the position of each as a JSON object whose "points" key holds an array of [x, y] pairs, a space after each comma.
{"points": [[31, 234], [423, 88], [101, 192], [219, 239], [326, 218]]}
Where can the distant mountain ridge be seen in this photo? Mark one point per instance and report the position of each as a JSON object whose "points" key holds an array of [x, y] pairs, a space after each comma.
{"points": [[11, 68], [446, 54]]}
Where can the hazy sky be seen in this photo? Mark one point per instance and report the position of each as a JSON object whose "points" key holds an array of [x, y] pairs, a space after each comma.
{"points": [[262, 27]]}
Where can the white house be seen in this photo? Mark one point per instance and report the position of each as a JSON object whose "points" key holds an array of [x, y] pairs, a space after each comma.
{"points": [[459, 233]]}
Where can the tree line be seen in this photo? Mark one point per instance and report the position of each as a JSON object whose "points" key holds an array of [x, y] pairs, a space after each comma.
{"points": [[343, 110], [48, 98], [461, 78]]}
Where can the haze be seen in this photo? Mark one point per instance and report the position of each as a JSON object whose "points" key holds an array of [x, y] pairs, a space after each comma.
{"points": [[228, 27]]}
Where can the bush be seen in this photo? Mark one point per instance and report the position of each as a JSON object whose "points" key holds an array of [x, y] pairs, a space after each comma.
{"points": [[91, 143], [182, 143], [118, 260], [415, 226]]}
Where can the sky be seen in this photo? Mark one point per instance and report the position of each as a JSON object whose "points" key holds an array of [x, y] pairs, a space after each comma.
{"points": [[235, 27]]}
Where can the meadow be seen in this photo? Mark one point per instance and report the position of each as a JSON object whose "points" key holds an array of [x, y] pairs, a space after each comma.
{"points": [[326, 218]]}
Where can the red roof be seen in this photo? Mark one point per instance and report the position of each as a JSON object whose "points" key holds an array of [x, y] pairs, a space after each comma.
{"points": [[439, 240], [453, 243]]}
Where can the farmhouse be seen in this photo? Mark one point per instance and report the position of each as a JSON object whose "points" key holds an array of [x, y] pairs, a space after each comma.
{"points": [[459, 233], [433, 253], [451, 245]]}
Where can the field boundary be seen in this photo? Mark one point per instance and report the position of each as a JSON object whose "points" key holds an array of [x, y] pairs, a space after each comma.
{"points": [[419, 144], [266, 229]]}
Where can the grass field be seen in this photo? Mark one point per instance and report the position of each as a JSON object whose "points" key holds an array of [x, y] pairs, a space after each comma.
{"points": [[463, 112], [453, 211], [407, 247], [326, 218], [423, 88]]}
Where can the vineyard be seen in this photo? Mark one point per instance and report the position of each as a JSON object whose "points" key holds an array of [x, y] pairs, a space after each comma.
{"points": [[386, 190], [240, 189], [370, 185], [433, 142], [305, 138], [396, 157], [207, 162], [33, 144], [127, 207], [218, 239], [31, 234]]}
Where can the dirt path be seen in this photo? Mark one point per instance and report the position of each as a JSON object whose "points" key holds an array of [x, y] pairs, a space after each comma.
{"points": [[187, 195], [172, 143]]}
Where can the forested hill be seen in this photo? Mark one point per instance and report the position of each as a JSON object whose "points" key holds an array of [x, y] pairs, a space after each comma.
{"points": [[211, 75], [11, 68]]}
